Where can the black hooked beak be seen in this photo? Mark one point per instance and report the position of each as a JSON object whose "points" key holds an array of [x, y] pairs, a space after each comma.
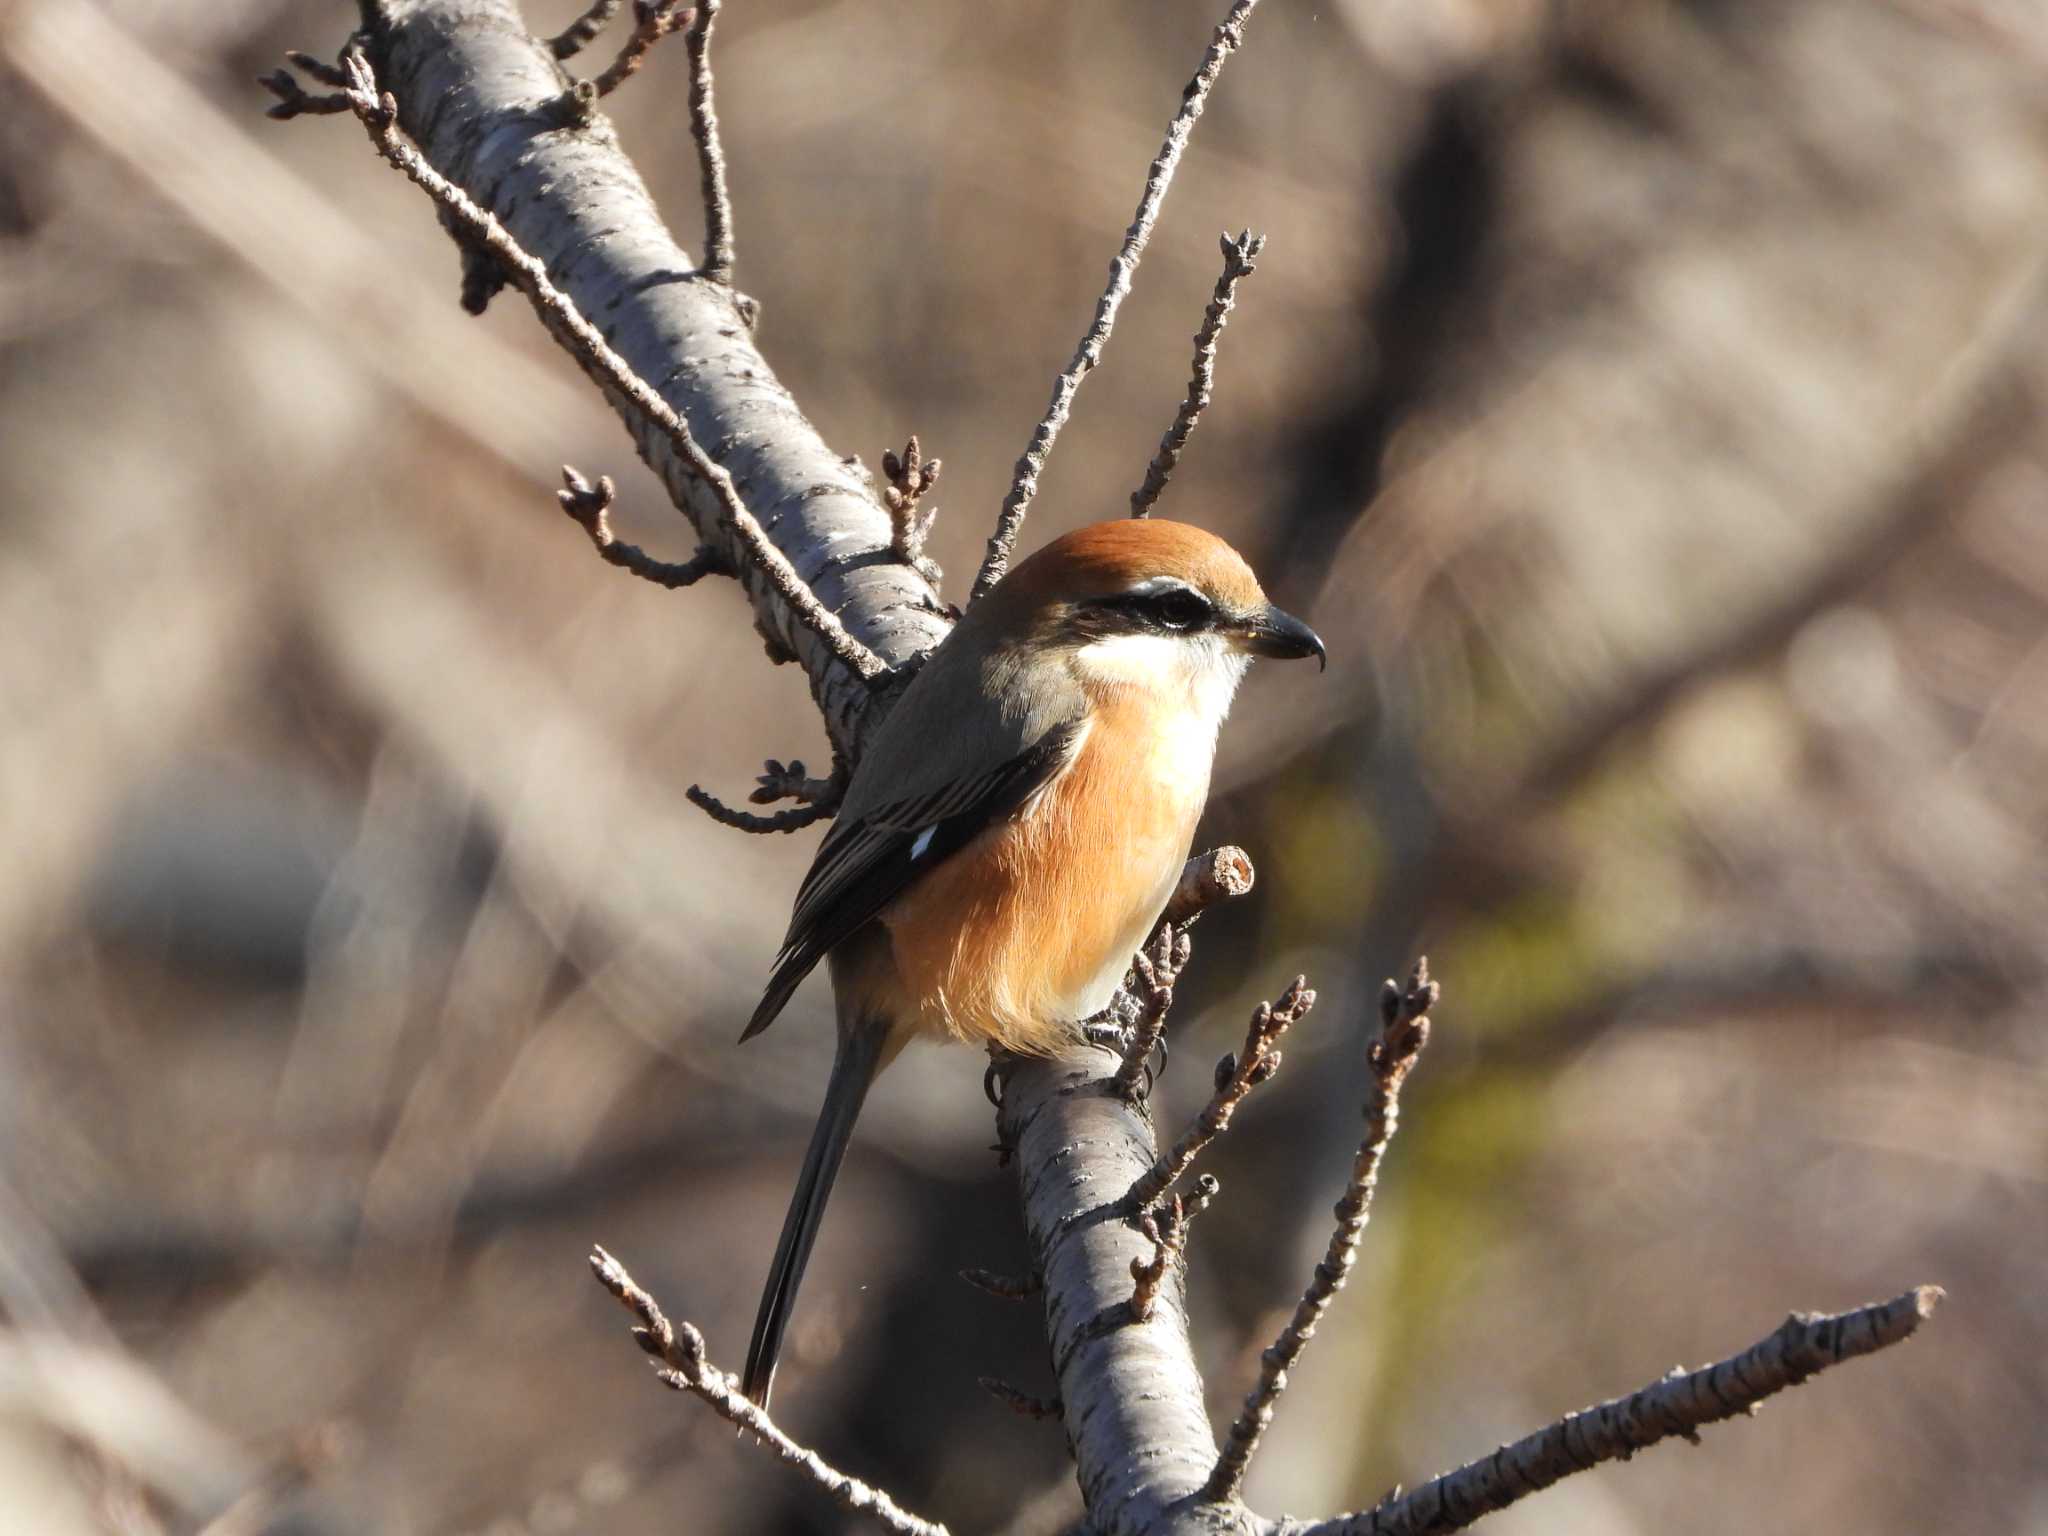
{"points": [[1271, 632]]}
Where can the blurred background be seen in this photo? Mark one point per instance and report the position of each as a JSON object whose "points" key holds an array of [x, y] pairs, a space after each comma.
{"points": [[1645, 399]]}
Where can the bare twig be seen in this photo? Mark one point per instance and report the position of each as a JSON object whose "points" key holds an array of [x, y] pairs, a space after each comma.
{"points": [[795, 819], [590, 505], [1236, 1076], [718, 253], [678, 1349], [379, 115], [911, 476], [1404, 1031], [1166, 1225], [1157, 967], [1024, 484], [652, 21], [581, 32], [1681, 1404], [1240, 254], [1003, 1287], [1018, 1401]]}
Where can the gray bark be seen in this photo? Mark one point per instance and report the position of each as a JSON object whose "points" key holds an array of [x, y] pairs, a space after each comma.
{"points": [[477, 93]]}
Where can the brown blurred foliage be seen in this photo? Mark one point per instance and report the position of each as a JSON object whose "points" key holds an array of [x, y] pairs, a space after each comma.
{"points": [[1645, 399]]}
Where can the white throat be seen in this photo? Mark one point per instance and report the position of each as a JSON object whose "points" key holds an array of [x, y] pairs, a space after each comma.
{"points": [[1203, 670]]}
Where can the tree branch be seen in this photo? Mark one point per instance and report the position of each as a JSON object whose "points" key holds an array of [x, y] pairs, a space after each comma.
{"points": [[379, 114], [1236, 1076], [581, 32], [718, 252], [1681, 1404], [548, 194], [589, 506], [1404, 1031], [678, 1351], [1240, 257], [1024, 484], [476, 93]]}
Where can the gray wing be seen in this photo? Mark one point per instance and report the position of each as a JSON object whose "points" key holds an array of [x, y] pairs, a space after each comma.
{"points": [[909, 809]]}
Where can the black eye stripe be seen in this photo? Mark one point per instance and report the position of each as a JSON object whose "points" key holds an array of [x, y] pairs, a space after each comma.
{"points": [[1174, 609]]}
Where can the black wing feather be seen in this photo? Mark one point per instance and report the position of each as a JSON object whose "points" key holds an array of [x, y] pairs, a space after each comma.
{"points": [[865, 863]]}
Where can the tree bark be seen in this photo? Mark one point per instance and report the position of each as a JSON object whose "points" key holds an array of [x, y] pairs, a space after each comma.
{"points": [[481, 97]]}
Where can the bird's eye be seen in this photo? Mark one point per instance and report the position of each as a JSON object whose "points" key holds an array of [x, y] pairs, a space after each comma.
{"points": [[1177, 608]]}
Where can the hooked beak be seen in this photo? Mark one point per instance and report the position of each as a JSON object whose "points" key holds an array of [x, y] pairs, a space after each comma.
{"points": [[1271, 632]]}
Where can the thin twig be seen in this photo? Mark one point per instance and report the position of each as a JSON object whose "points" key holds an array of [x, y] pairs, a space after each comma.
{"points": [[1020, 1402], [581, 32], [292, 98], [718, 253], [1682, 1403], [590, 505], [1236, 1076], [1404, 1031], [795, 819], [911, 477], [1024, 484], [1003, 1287], [1166, 1228], [678, 1349], [1156, 967], [1240, 253], [379, 114], [652, 21]]}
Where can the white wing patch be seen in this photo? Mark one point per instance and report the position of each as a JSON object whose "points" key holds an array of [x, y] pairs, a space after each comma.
{"points": [[924, 841]]}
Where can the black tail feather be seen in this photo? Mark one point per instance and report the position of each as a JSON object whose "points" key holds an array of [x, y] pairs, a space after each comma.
{"points": [[854, 1067]]}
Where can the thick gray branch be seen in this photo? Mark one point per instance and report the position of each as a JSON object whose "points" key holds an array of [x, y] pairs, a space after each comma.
{"points": [[1132, 1395], [479, 95]]}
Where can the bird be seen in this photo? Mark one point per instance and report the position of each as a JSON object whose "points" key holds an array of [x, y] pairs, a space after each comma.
{"points": [[1016, 824]]}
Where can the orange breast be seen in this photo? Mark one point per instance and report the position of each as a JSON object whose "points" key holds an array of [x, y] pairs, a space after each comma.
{"points": [[1027, 929]]}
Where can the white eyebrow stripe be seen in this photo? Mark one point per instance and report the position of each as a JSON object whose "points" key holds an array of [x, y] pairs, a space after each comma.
{"points": [[1152, 586], [924, 841]]}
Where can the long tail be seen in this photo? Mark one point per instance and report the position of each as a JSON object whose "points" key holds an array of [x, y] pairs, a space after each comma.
{"points": [[859, 1058]]}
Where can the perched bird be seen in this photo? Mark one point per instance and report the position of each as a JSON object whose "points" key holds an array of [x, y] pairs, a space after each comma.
{"points": [[1016, 825]]}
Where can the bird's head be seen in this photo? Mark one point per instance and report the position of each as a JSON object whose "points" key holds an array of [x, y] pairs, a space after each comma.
{"points": [[1149, 602]]}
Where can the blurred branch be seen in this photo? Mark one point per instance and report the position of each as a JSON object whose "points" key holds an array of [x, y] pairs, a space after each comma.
{"points": [[1240, 253], [1681, 1404], [652, 21], [1404, 1031], [1979, 400], [581, 32], [1024, 483], [268, 220], [678, 1350]]}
